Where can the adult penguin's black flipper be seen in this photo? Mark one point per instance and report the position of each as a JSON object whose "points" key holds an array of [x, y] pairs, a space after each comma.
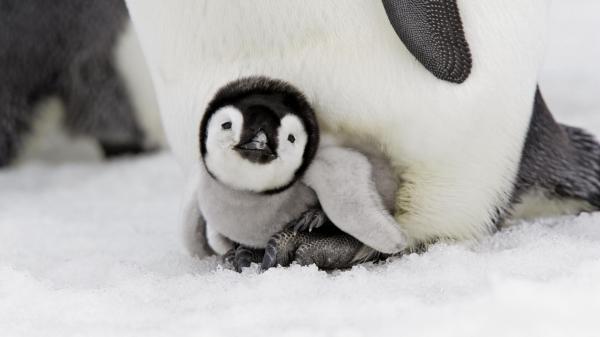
{"points": [[432, 30]]}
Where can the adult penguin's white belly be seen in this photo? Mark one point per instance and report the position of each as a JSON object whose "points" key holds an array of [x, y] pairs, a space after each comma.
{"points": [[457, 146]]}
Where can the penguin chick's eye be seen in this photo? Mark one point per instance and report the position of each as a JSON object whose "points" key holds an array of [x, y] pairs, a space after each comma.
{"points": [[292, 139], [226, 126]]}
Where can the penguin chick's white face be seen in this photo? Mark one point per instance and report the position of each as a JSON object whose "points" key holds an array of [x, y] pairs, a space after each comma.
{"points": [[257, 142]]}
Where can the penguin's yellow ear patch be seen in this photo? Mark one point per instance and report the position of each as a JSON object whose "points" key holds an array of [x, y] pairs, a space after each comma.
{"points": [[433, 32]]}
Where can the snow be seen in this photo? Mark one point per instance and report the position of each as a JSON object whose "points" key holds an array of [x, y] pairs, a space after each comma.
{"points": [[93, 249]]}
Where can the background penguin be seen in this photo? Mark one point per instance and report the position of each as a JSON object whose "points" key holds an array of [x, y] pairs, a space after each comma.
{"points": [[445, 88], [258, 139], [72, 49]]}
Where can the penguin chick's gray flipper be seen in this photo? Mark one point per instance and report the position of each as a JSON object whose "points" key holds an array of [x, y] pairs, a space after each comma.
{"points": [[432, 30], [342, 179], [326, 250], [309, 220], [560, 160]]}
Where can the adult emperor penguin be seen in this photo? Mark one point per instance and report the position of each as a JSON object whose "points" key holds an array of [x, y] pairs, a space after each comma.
{"points": [[446, 88]]}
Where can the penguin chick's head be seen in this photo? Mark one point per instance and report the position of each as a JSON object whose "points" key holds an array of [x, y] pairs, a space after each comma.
{"points": [[258, 135]]}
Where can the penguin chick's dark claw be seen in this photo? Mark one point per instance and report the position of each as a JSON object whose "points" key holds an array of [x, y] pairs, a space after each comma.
{"points": [[242, 257], [309, 220]]}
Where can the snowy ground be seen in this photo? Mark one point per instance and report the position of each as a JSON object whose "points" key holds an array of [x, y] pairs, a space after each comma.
{"points": [[92, 249]]}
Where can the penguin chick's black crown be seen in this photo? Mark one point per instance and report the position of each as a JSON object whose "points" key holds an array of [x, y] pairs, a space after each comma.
{"points": [[263, 102]]}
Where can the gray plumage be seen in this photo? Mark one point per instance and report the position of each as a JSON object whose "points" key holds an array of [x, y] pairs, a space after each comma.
{"points": [[250, 218], [64, 48]]}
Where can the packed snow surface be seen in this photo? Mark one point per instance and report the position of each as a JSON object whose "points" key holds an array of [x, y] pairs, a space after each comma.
{"points": [[93, 249]]}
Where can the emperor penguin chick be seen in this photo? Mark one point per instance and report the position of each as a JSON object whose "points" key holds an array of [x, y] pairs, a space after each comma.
{"points": [[259, 138]]}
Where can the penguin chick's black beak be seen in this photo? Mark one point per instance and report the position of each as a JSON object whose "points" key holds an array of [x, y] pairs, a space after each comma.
{"points": [[257, 149]]}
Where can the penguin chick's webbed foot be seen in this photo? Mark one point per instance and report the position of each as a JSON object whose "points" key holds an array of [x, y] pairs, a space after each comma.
{"points": [[241, 257], [326, 248]]}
